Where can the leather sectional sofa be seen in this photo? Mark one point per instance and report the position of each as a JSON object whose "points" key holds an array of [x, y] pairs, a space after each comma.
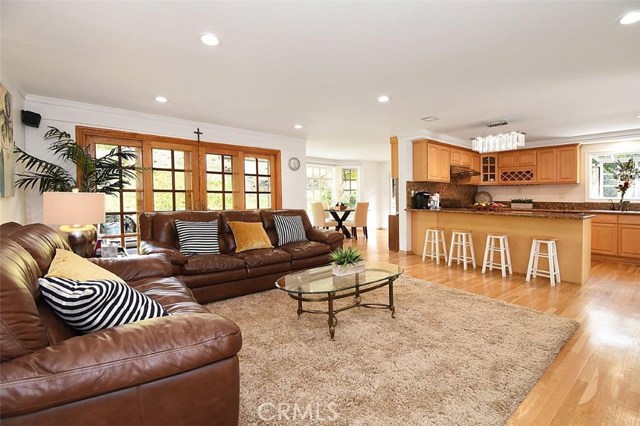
{"points": [[230, 274], [180, 369]]}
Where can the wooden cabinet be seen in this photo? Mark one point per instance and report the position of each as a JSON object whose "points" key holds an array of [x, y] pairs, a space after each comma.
{"points": [[431, 161], [461, 157], [488, 169], [604, 234], [568, 164], [558, 165], [616, 235], [517, 167], [521, 158], [629, 236], [547, 168]]}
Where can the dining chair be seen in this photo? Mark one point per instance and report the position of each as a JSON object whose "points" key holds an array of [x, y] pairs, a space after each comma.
{"points": [[359, 220], [319, 219]]}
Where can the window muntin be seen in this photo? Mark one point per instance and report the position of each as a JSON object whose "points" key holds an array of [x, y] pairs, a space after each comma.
{"points": [[257, 183], [171, 179], [219, 181], [603, 184]]}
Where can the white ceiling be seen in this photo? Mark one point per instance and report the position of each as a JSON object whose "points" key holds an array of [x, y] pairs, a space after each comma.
{"points": [[553, 69]]}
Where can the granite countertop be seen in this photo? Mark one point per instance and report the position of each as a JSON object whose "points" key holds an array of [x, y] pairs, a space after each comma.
{"points": [[543, 214]]}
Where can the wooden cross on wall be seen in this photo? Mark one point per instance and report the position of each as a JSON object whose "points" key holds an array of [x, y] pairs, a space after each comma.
{"points": [[198, 132]]}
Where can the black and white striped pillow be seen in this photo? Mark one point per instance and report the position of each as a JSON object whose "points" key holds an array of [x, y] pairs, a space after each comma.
{"points": [[198, 237], [290, 229], [97, 304]]}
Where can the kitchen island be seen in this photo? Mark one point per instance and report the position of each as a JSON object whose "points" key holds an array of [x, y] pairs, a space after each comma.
{"points": [[573, 231]]}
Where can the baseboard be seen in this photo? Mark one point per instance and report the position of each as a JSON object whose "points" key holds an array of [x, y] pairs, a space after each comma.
{"points": [[615, 258]]}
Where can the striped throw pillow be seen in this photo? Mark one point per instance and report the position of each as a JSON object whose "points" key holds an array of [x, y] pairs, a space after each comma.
{"points": [[290, 229], [94, 305], [198, 237]]}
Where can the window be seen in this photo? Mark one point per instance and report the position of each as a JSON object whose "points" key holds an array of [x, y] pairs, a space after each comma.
{"points": [[122, 209], [603, 184], [219, 176], [350, 186], [171, 171], [320, 184], [257, 183]]}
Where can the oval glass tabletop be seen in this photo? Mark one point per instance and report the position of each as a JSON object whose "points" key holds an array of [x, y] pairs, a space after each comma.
{"points": [[322, 280]]}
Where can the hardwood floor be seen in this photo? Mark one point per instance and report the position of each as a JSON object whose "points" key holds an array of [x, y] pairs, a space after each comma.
{"points": [[595, 380]]}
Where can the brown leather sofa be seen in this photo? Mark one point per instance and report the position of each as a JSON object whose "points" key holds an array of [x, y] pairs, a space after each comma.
{"points": [[180, 369], [230, 274]]}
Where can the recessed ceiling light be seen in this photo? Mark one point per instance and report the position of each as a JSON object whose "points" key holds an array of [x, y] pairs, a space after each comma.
{"points": [[429, 119], [630, 17], [383, 99], [161, 99], [209, 39], [297, 126]]}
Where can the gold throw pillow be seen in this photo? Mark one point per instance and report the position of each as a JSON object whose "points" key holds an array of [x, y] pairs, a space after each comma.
{"points": [[249, 236], [67, 264]]}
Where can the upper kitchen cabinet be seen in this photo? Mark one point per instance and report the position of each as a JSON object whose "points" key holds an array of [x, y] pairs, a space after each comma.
{"points": [[431, 161], [521, 158], [461, 157], [558, 165], [568, 163]]}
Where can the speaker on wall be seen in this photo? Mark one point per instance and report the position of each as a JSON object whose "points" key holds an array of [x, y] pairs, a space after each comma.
{"points": [[30, 118]]}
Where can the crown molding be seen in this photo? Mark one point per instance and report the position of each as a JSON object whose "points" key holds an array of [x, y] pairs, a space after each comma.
{"points": [[435, 136], [617, 136]]}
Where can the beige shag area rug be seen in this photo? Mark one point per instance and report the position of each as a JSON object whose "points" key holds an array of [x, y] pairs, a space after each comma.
{"points": [[448, 358]]}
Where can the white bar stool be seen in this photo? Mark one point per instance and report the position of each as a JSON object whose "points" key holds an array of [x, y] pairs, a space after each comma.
{"points": [[503, 248], [552, 254], [433, 239], [462, 240]]}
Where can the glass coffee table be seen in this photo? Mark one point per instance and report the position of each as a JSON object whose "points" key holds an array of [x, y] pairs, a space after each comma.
{"points": [[320, 285]]}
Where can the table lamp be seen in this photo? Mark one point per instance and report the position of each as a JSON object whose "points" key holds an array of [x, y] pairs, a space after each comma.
{"points": [[75, 212]]}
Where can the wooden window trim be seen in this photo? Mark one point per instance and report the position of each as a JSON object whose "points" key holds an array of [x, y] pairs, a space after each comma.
{"points": [[148, 141]]}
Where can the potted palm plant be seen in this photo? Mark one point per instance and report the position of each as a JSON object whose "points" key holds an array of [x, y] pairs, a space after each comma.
{"points": [[109, 173], [347, 261]]}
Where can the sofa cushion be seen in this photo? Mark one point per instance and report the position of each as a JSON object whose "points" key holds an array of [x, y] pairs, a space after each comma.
{"points": [[21, 329], [205, 263], [249, 236], [289, 229], [198, 237], [67, 264], [95, 305], [41, 242], [263, 257], [305, 249]]}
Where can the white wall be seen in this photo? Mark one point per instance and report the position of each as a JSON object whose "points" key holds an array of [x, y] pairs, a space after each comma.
{"points": [[65, 115], [563, 193], [13, 208]]}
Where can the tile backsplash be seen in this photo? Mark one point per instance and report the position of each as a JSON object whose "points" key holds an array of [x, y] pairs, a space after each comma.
{"points": [[451, 195]]}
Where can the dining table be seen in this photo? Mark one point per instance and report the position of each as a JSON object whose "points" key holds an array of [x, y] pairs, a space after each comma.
{"points": [[341, 216]]}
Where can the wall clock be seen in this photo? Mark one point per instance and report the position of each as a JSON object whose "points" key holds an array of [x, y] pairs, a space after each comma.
{"points": [[294, 163]]}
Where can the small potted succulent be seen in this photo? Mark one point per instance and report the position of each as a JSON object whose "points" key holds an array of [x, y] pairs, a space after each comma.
{"points": [[522, 204], [347, 261]]}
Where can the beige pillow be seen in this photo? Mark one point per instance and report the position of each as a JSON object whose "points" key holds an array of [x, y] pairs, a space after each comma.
{"points": [[249, 236], [67, 264]]}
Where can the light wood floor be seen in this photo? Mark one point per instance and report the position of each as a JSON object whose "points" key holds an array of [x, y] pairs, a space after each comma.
{"points": [[595, 379]]}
